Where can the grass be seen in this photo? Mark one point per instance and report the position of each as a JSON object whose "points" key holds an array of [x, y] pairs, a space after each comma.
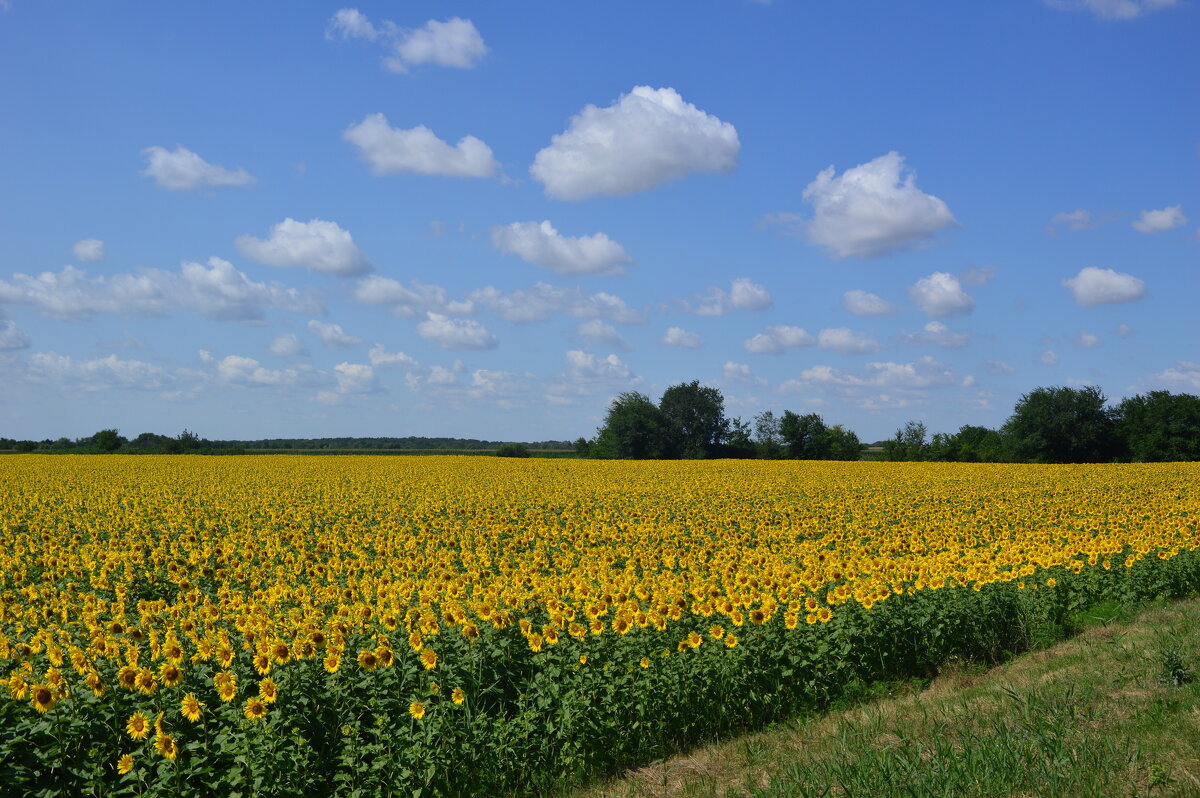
{"points": [[1114, 711]]}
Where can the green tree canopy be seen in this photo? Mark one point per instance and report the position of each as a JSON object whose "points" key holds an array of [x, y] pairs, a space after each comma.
{"points": [[634, 429], [696, 416], [1062, 425], [1159, 427], [805, 437]]}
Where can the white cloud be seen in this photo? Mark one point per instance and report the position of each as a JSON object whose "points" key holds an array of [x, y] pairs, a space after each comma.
{"points": [[1087, 340], [743, 294], [542, 245], [1093, 286], [1076, 220], [847, 341], [1152, 222], [350, 23], [286, 345], [460, 334], [453, 43], [773, 340], [1115, 9], [101, 374], [737, 372], [355, 378], [977, 275], [589, 375], [941, 294], [89, 249], [332, 334], [11, 337], [406, 302], [873, 210], [649, 136], [248, 372], [862, 303], [381, 358], [317, 245], [1184, 376], [920, 374], [937, 334], [184, 170], [388, 150], [998, 367], [586, 366], [542, 301], [1124, 331], [677, 336], [599, 333], [1048, 357], [218, 291]]}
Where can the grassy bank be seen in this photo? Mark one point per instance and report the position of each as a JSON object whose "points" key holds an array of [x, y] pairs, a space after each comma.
{"points": [[1114, 711]]}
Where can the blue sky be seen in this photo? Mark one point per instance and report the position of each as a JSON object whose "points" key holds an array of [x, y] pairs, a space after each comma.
{"points": [[488, 219]]}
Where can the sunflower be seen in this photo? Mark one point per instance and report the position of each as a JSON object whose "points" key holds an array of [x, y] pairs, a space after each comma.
{"points": [[470, 631], [367, 660], [694, 640], [262, 664], [429, 659], [191, 707], [387, 658], [824, 614], [42, 698], [173, 652], [268, 691], [758, 617], [166, 746], [17, 687], [281, 652], [790, 619], [645, 663], [730, 640], [435, 688], [414, 641], [417, 710], [458, 696], [93, 681], [146, 684], [138, 725], [224, 656], [535, 642], [127, 677], [170, 674], [332, 662], [254, 709], [125, 764], [716, 632]]}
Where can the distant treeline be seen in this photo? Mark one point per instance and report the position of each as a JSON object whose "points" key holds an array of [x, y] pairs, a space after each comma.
{"points": [[1047, 425], [110, 441]]}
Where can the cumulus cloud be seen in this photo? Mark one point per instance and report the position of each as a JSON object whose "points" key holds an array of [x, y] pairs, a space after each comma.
{"points": [[941, 294], [1093, 286], [1124, 331], [600, 333], [250, 373], [873, 209], [997, 367], [1087, 340], [217, 290], [586, 366], [589, 375], [677, 336], [1153, 222], [1075, 220], [101, 374], [737, 372], [388, 151], [460, 334], [647, 137], [453, 43], [847, 341], [862, 303], [184, 170], [542, 301], [381, 358], [743, 294], [1184, 376], [11, 337], [409, 301], [977, 275], [355, 378], [937, 334], [88, 249], [920, 374], [1115, 9], [774, 340], [332, 334], [317, 245], [542, 245], [286, 345], [1048, 357]]}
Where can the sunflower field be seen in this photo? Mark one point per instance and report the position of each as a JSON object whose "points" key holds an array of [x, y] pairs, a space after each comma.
{"points": [[283, 625]]}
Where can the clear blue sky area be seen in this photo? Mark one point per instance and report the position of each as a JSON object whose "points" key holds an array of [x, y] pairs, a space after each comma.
{"points": [[488, 219]]}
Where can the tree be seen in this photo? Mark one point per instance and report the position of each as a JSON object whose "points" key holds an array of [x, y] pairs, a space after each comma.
{"points": [[512, 450], [1159, 427], [738, 443], [804, 436], [634, 429], [908, 443], [107, 441], [696, 418], [768, 436], [842, 444], [1062, 425]]}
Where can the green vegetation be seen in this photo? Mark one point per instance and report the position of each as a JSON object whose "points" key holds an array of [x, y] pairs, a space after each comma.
{"points": [[1110, 712]]}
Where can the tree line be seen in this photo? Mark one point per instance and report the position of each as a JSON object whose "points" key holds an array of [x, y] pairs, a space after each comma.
{"points": [[1047, 425]]}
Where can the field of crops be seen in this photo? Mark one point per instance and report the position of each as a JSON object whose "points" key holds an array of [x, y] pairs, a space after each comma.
{"points": [[450, 625]]}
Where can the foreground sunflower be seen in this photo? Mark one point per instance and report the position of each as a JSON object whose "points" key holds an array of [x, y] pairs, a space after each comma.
{"points": [[417, 710], [138, 725], [166, 746], [254, 709], [125, 764], [268, 691], [191, 707], [42, 698]]}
